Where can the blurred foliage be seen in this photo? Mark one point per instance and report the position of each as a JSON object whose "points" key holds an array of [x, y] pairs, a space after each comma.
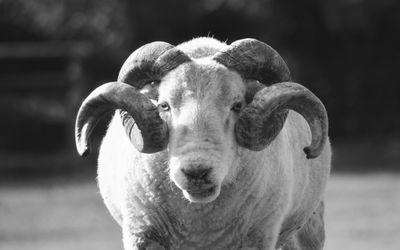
{"points": [[346, 51], [63, 20]]}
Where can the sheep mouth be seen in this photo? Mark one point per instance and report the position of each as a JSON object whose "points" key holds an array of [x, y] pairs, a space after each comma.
{"points": [[201, 194]]}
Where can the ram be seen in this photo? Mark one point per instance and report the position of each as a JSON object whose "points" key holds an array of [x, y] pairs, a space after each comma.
{"points": [[211, 147]]}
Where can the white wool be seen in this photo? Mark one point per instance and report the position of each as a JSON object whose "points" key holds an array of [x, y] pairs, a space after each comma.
{"points": [[265, 196]]}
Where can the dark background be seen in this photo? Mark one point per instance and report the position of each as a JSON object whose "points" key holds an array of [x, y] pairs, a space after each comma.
{"points": [[345, 51], [53, 53]]}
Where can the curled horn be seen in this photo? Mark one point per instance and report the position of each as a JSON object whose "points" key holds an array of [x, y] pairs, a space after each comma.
{"points": [[261, 121], [152, 135], [144, 127]]}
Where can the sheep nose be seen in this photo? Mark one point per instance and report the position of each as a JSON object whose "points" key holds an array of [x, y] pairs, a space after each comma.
{"points": [[197, 173]]}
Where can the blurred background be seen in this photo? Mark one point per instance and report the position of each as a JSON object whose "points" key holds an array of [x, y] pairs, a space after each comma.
{"points": [[54, 52]]}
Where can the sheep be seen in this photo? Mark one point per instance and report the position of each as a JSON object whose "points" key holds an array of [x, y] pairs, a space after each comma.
{"points": [[207, 149]]}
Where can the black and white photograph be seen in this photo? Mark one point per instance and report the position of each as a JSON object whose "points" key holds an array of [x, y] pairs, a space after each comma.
{"points": [[199, 125]]}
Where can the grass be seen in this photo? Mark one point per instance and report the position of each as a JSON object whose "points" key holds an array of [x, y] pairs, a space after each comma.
{"points": [[51, 216], [362, 213]]}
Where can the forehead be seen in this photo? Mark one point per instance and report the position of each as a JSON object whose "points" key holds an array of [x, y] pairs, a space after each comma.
{"points": [[202, 79]]}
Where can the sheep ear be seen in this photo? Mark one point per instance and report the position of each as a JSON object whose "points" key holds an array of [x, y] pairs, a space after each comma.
{"points": [[151, 90], [252, 87]]}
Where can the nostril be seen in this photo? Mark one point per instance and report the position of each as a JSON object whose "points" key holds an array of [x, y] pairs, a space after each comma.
{"points": [[197, 173]]}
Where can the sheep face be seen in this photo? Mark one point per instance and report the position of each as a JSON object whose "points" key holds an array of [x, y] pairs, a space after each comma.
{"points": [[200, 102]]}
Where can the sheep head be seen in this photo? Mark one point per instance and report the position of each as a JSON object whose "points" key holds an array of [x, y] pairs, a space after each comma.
{"points": [[203, 109]]}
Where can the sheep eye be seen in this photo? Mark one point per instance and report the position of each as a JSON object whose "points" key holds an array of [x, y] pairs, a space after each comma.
{"points": [[237, 107], [164, 106]]}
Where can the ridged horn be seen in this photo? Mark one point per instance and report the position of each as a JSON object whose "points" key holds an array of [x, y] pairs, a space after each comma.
{"points": [[262, 120], [253, 59], [150, 63], [148, 133], [140, 118]]}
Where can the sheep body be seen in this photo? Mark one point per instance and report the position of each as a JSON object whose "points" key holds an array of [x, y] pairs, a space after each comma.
{"points": [[272, 193]]}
